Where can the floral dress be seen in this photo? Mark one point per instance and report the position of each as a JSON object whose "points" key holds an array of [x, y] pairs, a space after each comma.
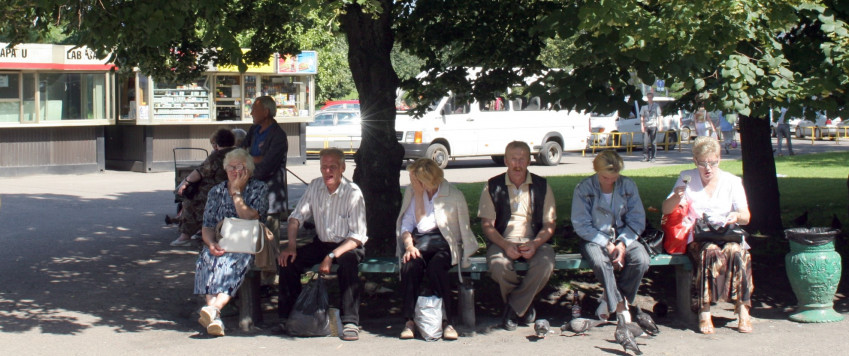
{"points": [[225, 273]]}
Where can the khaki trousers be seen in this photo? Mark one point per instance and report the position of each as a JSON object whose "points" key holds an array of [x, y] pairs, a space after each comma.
{"points": [[516, 291]]}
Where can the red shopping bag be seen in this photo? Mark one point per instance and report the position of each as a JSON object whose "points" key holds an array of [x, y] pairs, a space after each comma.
{"points": [[676, 227]]}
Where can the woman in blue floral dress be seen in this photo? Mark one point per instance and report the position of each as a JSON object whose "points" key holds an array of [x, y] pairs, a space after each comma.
{"points": [[218, 273]]}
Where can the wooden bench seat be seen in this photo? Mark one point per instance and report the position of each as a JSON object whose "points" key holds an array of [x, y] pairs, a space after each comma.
{"points": [[249, 303]]}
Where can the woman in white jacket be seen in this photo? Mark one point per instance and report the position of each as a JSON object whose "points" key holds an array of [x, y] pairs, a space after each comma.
{"points": [[433, 234]]}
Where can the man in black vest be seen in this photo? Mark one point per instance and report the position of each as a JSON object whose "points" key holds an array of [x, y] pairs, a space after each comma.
{"points": [[517, 214]]}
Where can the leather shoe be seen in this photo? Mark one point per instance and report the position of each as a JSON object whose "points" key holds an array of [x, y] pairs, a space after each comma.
{"points": [[530, 316], [508, 321]]}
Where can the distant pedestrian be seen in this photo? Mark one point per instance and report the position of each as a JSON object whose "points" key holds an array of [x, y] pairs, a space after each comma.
{"points": [[783, 129], [726, 125], [649, 125], [704, 125]]}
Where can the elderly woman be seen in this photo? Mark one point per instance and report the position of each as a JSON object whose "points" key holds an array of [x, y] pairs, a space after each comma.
{"points": [[210, 173], [608, 215], [723, 270], [218, 273], [433, 234]]}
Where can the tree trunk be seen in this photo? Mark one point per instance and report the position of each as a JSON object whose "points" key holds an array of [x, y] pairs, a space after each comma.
{"points": [[378, 160], [759, 176]]}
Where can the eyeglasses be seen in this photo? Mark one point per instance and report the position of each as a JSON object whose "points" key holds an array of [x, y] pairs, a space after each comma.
{"points": [[708, 164], [234, 168]]}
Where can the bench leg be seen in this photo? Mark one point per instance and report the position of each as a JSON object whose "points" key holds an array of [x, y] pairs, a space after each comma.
{"points": [[249, 302], [683, 278], [466, 305]]}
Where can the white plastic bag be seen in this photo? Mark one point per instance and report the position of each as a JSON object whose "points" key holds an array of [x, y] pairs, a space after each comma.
{"points": [[429, 317]]}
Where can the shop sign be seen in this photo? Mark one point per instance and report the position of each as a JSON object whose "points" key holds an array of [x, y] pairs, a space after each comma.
{"points": [[304, 63], [26, 53], [266, 67], [80, 55]]}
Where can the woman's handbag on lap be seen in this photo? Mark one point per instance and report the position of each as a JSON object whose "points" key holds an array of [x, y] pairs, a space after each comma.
{"points": [[240, 235], [704, 231], [676, 226]]}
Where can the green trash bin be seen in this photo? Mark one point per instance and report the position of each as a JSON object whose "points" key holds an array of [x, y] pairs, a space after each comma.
{"points": [[814, 269]]}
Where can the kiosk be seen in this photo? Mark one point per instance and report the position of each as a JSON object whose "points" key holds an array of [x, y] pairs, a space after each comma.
{"points": [[55, 101], [155, 117]]}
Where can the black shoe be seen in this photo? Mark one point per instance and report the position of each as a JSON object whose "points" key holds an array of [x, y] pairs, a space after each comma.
{"points": [[509, 318], [530, 316]]}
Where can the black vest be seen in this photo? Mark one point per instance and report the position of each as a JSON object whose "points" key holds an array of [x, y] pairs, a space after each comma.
{"points": [[501, 201]]}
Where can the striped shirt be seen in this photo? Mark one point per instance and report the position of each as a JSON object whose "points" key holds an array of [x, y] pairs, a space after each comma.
{"points": [[338, 216]]}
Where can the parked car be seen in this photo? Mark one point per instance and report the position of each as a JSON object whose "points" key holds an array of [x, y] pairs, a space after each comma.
{"points": [[688, 126], [823, 127], [341, 105], [338, 128], [613, 123]]}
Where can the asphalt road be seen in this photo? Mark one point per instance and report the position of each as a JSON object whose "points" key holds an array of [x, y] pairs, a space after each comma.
{"points": [[85, 268]]}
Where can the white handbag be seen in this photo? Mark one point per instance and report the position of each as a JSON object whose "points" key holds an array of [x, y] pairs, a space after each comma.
{"points": [[241, 236]]}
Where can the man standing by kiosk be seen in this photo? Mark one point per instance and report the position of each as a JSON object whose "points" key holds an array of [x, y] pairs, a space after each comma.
{"points": [[518, 216]]}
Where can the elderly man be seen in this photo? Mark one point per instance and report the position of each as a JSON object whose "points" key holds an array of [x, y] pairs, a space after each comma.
{"points": [[517, 214], [337, 206], [267, 143]]}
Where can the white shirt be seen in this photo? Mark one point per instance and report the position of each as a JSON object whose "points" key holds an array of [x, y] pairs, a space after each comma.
{"points": [[338, 216], [729, 195], [428, 221]]}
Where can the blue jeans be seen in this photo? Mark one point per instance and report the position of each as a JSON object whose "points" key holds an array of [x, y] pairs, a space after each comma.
{"points": [[783, 130]]}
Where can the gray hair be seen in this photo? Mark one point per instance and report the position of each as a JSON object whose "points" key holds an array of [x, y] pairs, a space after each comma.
{"points": [[704, 146], [239, 135], [268, 103], [243, 156]]}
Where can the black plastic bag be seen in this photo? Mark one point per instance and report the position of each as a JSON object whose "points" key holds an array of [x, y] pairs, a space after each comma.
{"points": [[309, 316]]}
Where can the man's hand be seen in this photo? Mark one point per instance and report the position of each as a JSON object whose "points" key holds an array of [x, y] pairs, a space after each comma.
{"points": [[527, 250], [411, 254], [512, 251], [283, 257], [324, 267], [617, 255]]}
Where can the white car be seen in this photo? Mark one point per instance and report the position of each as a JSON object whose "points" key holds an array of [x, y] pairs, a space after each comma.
{"points": [[822, 128], [336, 128], [671, 125]]}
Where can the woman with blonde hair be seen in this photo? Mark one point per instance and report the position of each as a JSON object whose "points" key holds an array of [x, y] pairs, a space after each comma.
{"points": [[433, 234], [723, 270], [608, 215]]}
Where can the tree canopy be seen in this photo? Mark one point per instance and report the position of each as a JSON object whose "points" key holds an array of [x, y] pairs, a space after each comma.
{"points": [[743, 56]]}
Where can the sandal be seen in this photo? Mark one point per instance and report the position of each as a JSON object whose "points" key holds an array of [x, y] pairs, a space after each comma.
{"points": [[408, 333], [705, 325], [350, 332], [449, 333]]}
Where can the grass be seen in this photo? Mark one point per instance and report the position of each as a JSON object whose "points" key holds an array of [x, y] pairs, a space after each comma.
{"points": [[815, 183]]}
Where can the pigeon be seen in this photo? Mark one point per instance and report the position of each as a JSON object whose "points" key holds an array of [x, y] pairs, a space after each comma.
{"points": [[645, 321], [801, 220], [542, 327], [625, 338], [581, 325], [635, 329]]}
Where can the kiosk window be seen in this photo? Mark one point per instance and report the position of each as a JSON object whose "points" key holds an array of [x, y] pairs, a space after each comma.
{"points": [[10, 97]]}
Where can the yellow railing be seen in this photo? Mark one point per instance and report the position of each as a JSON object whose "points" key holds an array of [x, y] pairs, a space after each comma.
{"points": [[327, 139], [618, 140]]}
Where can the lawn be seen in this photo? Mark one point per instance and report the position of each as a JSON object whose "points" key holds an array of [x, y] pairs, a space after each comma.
{"points": [[816, 183]]}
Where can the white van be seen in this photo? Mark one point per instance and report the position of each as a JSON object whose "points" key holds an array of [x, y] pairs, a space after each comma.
{"points": [[464, 128]]}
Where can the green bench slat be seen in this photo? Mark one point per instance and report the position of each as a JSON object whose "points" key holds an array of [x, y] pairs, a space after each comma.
{"points": [[478, 264]]}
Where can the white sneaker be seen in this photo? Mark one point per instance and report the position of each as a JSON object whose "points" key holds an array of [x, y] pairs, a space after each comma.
{"points": [[207, 315], [624, 315], [215, 328]]}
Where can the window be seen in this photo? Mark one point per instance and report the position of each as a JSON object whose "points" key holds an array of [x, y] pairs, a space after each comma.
{"points": [[10, 97], [72, 96]]}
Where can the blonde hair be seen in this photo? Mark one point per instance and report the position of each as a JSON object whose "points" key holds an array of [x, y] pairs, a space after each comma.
{"points": [[608, 161], [240, 155], [518, 145], [705, 146], [427, 172]]}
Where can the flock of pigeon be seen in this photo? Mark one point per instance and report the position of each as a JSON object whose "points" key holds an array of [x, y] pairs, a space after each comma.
{"points": [[626, 332]]}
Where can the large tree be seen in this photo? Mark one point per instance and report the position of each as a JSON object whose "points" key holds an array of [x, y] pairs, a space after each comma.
{"points": [[735, 55]]}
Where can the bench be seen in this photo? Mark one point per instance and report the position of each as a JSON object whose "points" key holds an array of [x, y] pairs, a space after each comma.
{"points": [[249, 299]]}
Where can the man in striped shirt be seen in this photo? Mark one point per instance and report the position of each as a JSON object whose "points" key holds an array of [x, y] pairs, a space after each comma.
{"points": [[336, 205]]}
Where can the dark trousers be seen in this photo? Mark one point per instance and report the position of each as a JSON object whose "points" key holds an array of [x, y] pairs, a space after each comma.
{"points": [[347, 273], [649, 148], [783, 130], [436, 264]]}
